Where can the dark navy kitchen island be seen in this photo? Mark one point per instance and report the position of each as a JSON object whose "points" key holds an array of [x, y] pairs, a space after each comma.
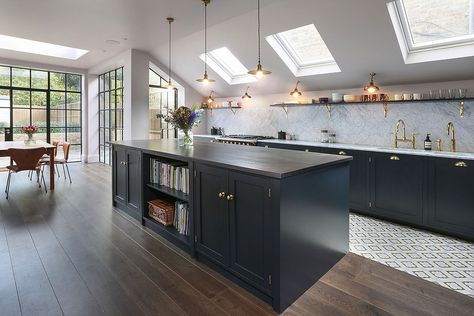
{"points": [[273, 221]]}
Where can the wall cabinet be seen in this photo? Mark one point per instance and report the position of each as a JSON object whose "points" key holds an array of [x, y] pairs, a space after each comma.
{"points": [[451, 198], [397, 186], [127, 173], [233, 223]]}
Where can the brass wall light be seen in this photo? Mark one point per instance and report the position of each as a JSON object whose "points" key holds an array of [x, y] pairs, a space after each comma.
{"points": [[169, 85], [205, 79], [247, 96], [371, 87], [259, 72], [296, 93], [210, 99]]}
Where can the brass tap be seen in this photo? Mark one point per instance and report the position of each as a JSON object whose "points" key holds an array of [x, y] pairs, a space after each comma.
{"points": [[404, 138], [439, 147], [450, 131]]}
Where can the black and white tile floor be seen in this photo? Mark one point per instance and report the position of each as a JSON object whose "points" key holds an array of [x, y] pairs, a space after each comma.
{"points": [[436, 258]]}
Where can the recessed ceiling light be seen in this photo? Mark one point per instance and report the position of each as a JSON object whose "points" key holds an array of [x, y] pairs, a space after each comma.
{"points": [[40, 48]]}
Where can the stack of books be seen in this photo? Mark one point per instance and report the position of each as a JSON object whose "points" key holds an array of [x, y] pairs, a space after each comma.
{"points": [[174, 175], [181, 218]]}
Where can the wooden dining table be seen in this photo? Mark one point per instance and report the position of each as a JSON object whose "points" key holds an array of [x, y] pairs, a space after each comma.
{"points": [[4, 146]]}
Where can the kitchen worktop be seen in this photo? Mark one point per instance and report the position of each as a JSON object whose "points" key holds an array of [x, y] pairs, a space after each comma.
{"points": [[256, 160], [405, 151]]}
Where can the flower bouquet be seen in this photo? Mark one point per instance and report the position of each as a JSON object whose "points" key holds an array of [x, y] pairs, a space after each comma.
{"points": [[184, 119], [29, 130]]}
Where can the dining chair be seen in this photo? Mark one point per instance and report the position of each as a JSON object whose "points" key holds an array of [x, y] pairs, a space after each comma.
{"points": [[45, 159], [64, 161], [26, 159]]}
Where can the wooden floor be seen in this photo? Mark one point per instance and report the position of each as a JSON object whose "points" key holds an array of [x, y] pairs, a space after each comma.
{"points": [[70, 253]]}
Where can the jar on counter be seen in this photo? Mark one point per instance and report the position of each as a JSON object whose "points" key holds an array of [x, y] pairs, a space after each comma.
{"points": [[324, 136], [332, 138]]}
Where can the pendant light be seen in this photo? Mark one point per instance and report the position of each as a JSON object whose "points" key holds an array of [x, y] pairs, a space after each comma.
{"points": [[247, 96], [259, 72], [210, 99], [296, 93], [169, 85], [371, 88], [205, 79]]}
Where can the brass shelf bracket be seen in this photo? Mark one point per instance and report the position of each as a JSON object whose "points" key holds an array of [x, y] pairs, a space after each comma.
{"points": [[461, 108], [233, 110], [328, 109], [385, 109], [285, 109]]}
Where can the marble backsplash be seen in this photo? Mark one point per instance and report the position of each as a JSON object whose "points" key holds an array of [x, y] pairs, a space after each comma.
{"points": [[362, 124]]}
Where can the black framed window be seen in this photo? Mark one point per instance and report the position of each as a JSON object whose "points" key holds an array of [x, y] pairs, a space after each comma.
{"points": [[161, 100], [110, 112], [51, 100]]}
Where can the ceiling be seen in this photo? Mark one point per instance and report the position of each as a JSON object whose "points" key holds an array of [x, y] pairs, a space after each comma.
{"points": [[358, 33]]}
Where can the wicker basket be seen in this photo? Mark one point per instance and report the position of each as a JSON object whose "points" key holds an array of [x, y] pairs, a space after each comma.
{"points": [[161, 211]]}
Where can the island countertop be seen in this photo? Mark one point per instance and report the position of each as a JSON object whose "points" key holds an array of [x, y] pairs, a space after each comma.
{"points": [[274, 163]]}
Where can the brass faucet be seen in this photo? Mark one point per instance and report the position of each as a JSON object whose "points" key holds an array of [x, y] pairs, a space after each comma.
{"points": [[404, 138], [450, 131]]}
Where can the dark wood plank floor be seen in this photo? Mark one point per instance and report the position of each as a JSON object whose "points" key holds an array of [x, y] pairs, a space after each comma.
{"points": [[71, 253]]}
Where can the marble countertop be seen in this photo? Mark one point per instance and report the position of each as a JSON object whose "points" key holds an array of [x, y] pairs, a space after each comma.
{"points": [[402, 151]]}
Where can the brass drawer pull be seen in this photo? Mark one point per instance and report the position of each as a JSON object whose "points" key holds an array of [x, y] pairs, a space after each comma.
{"points": [[230, 197], [461, 164], [395, 158], [342, 153], [222, 195]]}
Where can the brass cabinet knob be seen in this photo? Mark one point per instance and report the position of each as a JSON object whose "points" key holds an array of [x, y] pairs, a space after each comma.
{"points": [[342, 153], [460, 164], [395, 158], [230, 197], [222, 194]]}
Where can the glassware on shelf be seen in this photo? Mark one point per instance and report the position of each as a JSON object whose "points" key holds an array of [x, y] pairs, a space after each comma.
{"points": [[433, 94], [442, 94], [462, 93], [332, 138], [451, 93]]}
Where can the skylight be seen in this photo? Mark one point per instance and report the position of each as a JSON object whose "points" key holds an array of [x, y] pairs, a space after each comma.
{"points": [[226, 65], [433, 30], [39, 48], [303, 50]]}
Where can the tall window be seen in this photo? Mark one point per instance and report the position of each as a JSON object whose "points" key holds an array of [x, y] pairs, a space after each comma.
{"points": [[110, 112], [161, 101], [50, 100]]}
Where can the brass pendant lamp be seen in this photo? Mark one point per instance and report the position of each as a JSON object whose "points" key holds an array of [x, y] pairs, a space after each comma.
{"points": [[210, 99], [247, 96], [259, 72], [296, 93], [205, 79], [169, 85], [371, 87]]}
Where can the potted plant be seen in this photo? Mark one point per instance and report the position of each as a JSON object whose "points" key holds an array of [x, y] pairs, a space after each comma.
{"points": [[29, 130], [183, 119]]}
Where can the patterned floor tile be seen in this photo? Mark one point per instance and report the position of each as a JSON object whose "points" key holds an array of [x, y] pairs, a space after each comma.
{"points": [[446, 261]]}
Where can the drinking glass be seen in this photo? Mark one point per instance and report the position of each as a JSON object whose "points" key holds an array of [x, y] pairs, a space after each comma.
{"points": [[451, 93], [462, 93], [433, 94], [442, 94]]}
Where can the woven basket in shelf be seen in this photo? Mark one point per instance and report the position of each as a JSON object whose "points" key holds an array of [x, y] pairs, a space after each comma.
{"points": [[161, 211]]}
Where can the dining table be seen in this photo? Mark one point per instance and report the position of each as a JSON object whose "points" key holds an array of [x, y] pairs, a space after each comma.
{"points": [[4, 146]]}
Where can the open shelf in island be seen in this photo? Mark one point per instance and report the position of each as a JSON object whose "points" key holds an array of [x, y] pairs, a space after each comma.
{"points": [[169, 191], [169, 232]]}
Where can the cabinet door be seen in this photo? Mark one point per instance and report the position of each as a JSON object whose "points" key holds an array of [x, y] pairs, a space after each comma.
{"points": [[212, 215], [397, 187], [359, 180], [134, 167], [120, 174], [250, 229], [451, 205]]}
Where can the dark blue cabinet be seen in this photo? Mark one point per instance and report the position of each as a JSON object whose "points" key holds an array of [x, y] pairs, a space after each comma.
{"points": [[451, 196], [233, 223]]}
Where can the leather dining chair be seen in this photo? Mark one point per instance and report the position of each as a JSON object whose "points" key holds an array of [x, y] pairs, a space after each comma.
{"points": [[64, 161], [45, 159], [25, 160]]}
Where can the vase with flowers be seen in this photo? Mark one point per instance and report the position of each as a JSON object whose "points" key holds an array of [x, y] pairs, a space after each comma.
{"points": [[29, 130], [183, 119]]}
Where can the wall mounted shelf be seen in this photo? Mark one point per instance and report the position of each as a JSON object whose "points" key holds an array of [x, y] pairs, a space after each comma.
{"points": [[329, 105], [233, 109]]}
